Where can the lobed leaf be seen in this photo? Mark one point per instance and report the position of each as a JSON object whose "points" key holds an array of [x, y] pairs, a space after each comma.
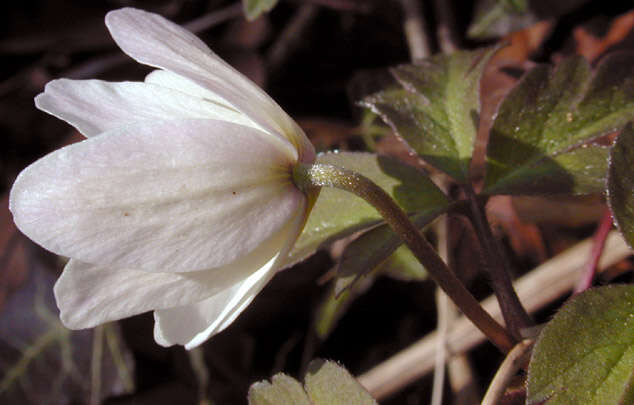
{"points": [[585, 355], [337, 213], [281, 390], [621, 183], [326, 383], [437, 111], [536, 139]]}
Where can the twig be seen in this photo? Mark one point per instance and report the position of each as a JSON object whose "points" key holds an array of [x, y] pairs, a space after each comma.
{"points": [[605, 225], [511, 365], [101, 64], [414, 27], [461, 378], [291, 35], [541, 286], [443, 311], [96, 365], [214, 18], [445, 26], [345, 5], [201, 373]]}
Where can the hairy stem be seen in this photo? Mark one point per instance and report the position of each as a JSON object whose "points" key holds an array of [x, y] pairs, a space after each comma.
{"points": [[321, 175], [498, 271]]}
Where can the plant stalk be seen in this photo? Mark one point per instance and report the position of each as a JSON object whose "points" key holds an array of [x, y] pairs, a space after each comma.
{"points": [[498, 270], [322, 175]]}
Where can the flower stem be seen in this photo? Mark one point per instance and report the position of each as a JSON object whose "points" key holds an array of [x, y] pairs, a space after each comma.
{"points": [[515, 316], [322, 175]]}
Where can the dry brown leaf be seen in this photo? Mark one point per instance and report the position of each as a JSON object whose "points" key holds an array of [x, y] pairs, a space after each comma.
{"points": [[525, 238], [591, 47]]}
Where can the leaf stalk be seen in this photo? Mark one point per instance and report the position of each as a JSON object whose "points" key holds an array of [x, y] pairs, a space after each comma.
{"points": [[307, 177], [498, 269]]}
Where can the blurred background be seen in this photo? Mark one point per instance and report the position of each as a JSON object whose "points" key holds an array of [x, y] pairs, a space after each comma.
{"points": [[317, 58]]}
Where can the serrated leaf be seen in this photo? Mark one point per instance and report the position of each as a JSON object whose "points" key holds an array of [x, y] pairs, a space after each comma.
{"points": [[281, 390], [338, 213], [585, 355], [330, 384], [621, 183], [535, 139], [437, 111], [326, 383], [253, 8], [373, 248], [42, 362]]}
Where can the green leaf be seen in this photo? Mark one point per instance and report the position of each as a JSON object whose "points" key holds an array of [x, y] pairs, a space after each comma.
{"points": [[334, 305], [437, 111], [253, 8], [281, 390], [585, 355], [338, 213], [400, 265], [373, 248], [621, 183], [326, 383], [496, 18], [536, 138], [403, 265], [330, 384]]}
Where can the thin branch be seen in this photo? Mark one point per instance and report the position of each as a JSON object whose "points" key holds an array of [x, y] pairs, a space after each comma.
{"points": [[547, 282], [516, 359], [289, 38], [445, 26], [214, 18], [98, 65], [444, 315], [414, 27], [462, 380]]}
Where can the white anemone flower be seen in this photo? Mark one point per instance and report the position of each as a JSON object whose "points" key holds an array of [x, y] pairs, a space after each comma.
{"points": [[180, 201]]}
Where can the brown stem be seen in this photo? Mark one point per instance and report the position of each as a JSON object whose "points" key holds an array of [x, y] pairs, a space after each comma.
{"points": [[497, 267], [321, 175]]}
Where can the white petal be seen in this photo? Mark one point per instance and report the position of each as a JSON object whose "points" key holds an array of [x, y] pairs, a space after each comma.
{"points": [[179, 195], [152, 40], [96, 106], [192, 325], [89, 295], [173, 81]]}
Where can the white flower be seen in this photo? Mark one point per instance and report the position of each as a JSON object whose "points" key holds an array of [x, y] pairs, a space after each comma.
{"points": [[180, 201]]}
